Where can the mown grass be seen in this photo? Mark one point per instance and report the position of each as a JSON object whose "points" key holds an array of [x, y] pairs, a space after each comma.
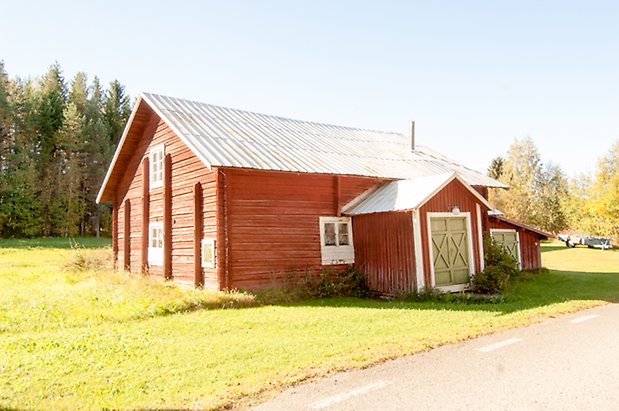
{"points": [[96, 339]]}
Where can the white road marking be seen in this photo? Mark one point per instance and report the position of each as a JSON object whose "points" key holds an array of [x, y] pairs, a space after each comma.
{"points": [[498, 345], [335, 399], [583, 319]]}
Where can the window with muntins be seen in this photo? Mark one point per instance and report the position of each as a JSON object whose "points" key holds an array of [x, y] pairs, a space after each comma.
{"points": [[155, 244], [336, 240], [156, 166]]}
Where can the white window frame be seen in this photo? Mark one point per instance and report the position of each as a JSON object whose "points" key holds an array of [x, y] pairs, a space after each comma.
{"points": [[336, 254], [156, 167], [208, 258], [469, 233], [510, 230], [155, 254]]}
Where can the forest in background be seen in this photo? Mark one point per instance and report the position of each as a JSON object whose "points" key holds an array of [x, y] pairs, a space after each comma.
{"points": [[57, 138], [543, 196], [56, 141]]}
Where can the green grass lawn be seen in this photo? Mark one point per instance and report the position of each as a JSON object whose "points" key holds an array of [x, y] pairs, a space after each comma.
{"points": [[73, 339]]}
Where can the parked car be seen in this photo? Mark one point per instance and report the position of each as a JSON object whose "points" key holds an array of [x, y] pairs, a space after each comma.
{"points": [[572, 241]]}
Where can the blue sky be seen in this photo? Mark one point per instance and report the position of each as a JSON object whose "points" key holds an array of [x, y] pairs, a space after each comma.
{"points": [[474, 75]]}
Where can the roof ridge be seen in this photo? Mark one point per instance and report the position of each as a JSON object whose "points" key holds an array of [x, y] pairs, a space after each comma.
{"points": [[275, 116]]}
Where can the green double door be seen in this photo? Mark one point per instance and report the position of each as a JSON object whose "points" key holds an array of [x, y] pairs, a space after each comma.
{"points": [[450, 250], [509, 240]]}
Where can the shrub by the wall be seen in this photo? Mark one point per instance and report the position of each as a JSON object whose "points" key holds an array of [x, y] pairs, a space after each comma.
{"points": [[500, 269]]}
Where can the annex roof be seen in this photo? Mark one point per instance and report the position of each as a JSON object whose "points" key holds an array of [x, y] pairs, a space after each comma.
{"points": [[226, 137], [410, 194], [499, 217]]}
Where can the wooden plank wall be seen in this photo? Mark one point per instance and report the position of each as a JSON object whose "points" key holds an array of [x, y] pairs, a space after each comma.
{"points": [[186, 171], [384, 250], [530, 251], [273, 226], [453, 194]]}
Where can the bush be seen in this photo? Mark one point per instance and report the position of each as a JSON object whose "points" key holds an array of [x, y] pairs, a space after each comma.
{"points": [[299, 286], [81, 259], [500, 269], [351, 283]]}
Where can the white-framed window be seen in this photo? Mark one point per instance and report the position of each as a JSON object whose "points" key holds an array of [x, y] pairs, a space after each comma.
{"points": [[155, 244], [208, 253], [157, 154], [336, 245]]}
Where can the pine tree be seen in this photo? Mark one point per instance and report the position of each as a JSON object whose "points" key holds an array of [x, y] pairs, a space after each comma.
{"points": [[496, 168], [116, 110], [55, 145]]}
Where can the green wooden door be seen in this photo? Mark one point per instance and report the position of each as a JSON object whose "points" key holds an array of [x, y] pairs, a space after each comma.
{"points": [[509, 240], [450, 250]]}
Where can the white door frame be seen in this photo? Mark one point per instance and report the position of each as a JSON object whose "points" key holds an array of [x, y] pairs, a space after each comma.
{"points": [[510, 230], [469, 235], [419, 271]]}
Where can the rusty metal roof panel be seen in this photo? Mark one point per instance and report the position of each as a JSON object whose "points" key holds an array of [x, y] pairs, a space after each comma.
{"points": [[228, 137]]}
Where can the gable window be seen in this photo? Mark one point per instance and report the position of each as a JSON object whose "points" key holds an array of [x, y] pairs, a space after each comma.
{"points": [[336, 240], [156, 166], [155, 244]]}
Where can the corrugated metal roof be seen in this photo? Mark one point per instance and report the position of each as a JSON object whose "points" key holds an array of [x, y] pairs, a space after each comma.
{"points": [[500, 217], [408, 194], [235, 138]]}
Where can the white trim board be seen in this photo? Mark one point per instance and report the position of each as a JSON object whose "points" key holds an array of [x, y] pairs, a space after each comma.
{"points": [[418, 249], [480, 238], [467, 216]]}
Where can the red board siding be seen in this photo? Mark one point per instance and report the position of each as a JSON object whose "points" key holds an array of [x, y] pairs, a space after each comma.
{"points": [[186, 170], [482, 190], [530, 252], [454, 194], [384, 250], [273, 222]]}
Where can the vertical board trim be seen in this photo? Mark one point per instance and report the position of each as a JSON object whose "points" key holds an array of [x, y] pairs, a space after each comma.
{"points": [[145, 214], [167, 217], [115, 233], [480, 238], [419, 273], [127, 237], [198, 220]]}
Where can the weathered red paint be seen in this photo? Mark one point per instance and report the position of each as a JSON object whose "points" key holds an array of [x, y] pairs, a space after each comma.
{"points": [[384, 251], [145, 216], [454, 194], [186, 171], [127, 244], [384, 242], [530, 253], [273, 222], [265, 223], [197, 235]]}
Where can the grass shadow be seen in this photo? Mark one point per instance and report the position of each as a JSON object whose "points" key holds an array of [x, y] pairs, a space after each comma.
{"points": [[530, 292]]}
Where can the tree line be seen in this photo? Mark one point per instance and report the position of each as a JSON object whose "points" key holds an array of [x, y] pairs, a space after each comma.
{"points": [[56, 141], [543, 196]]}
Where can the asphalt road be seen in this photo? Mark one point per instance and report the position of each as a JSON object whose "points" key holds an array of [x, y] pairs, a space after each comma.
{"points": [[567, 363]]}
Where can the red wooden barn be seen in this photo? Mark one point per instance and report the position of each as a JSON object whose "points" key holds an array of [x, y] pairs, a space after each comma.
{"points": [[225, 198], [522, 240]]}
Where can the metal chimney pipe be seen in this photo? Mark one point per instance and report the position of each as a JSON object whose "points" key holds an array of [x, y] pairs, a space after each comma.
{"points": [[411, 134]]}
